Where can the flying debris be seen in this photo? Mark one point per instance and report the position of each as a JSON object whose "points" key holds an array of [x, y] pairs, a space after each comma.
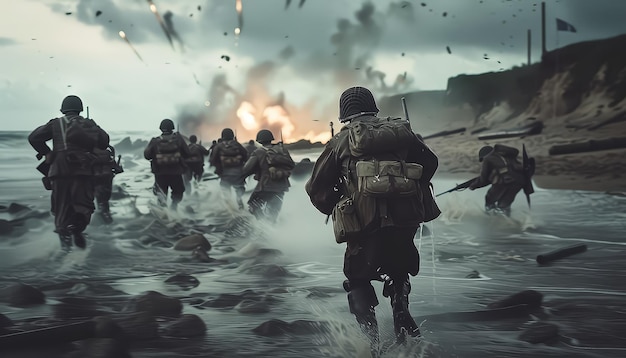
{"points": [[239, 9], [405, 4], [123, 35], [448, 49], [68, 13], [301, 3], [98, 13], [225, 33], [287, 3], [170, 28], [445, 13], [403, 54], [225, 57], [160, 20], [423, 4], [199, 8]]}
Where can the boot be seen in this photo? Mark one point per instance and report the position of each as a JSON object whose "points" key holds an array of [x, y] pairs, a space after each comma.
{"points": [[77, 235], [66, 242], [362, 301], [105, 212], [403, 322]]}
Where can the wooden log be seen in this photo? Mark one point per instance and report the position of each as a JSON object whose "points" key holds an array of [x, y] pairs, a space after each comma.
{"points": [[619, 118], [445, 133], [561, 253], [588, 146], [531, 129]]}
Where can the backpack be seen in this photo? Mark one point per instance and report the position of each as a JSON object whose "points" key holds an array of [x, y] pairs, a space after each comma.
{"points": [[79, 132], [195, 151], [279, 162], [167, 151], [386, 192], [230, 155]]}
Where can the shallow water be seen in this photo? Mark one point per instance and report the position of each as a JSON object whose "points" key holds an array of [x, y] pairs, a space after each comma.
{"points": [[583, 294]]}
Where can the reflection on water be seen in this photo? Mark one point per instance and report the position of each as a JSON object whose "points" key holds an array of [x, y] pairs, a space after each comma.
{"points": [[583, 294]]}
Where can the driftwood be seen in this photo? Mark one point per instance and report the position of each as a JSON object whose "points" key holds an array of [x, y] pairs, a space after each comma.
{"points": [[561, 253], [445, 133], [589, 146], [531, 129]]}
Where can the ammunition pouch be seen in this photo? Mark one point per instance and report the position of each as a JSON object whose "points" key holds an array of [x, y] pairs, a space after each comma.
{"points": [[352, 216], [168, 159], [387, 178]]}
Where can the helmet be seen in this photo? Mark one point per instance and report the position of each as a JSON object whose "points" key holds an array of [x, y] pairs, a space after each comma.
{"points": [[264, 136], [167, 125], [356, 101], [482, 153], [227, 134], [71, 104], [193, 138]]}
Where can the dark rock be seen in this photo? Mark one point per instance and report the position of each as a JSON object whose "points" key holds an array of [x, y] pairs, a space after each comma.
{"points": [[106, 327], [272, 328], [15, 208], [158, 304], [138, 326], [531, 298], [540, 332], [20, 295], [183, 281], [188, 325], [6, 227], [191, 242]]}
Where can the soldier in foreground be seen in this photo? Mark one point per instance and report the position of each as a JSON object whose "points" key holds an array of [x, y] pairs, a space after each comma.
{"points": [[166, 154], [228, 158], [378, 193], [271, 165], [70, 161], [500, 168]]}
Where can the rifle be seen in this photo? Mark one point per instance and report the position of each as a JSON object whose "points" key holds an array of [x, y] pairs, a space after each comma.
{"points": [[461, 186], [406, 111]]}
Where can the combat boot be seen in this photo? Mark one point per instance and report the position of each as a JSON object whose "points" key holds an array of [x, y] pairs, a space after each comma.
{"points": [[362, 301], [403, 323], [77, 235], [105, 212], [66, 241]]}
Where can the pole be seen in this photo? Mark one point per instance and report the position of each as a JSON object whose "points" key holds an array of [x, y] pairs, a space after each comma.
{"points": [[529, 46], [543, 28]]}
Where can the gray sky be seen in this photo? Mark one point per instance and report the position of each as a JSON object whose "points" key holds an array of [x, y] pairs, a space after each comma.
{"points": [[301, 58]]}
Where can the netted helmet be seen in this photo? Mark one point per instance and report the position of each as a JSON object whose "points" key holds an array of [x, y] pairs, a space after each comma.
{"points": [[71, 104], [264, 136], [227, 134], [354, 102], [167, 125], [193, 138], [482, 153]]}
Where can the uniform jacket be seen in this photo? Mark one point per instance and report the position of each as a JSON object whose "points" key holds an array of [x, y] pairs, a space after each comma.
{"points": [[151, 151], [198, 152], [257, 165], [336, 166], [67, 158], [501, 166], [215, 160]]}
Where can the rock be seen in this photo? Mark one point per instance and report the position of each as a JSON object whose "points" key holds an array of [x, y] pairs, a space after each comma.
{"points": [[188, 325], [191, 242], [540, 332], [531, 298], [106, 327], [20, 295], [473, 274], [199, 254], [6, 227], [272, 328], [184, 281], [138, 326], [15, 208], [158, 304]]}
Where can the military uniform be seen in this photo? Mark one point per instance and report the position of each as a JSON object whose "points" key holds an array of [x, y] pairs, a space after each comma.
{"points": [[71, 158], [168, 166], [228, 157], [195, 162], [385, 250], [500, 168], [104, 171]]}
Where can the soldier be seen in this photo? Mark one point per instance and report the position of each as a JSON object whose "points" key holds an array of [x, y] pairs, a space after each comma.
{"points": [[251, 147], [104, 169], [228, 158], [166, 154], [378, 195], [500, 168], [195, 162], [271, 165], [71, 174]]}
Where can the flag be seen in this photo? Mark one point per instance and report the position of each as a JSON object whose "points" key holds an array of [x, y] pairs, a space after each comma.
{"points": [[564, 26]]}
